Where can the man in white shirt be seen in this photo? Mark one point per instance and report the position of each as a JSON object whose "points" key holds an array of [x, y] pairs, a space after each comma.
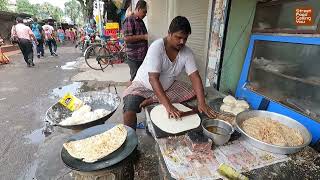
{"points": [[156, 78], [25, 36], [49, 35]]}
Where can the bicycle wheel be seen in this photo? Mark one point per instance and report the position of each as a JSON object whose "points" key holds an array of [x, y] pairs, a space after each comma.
{"points": [[96, 57]]}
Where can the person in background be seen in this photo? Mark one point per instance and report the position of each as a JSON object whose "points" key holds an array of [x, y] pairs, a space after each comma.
{"points": [[61, 35], [3, 58], [49, 34], [136, 38], [67, 32], [72, 35], [38, 33], [25, 37]]}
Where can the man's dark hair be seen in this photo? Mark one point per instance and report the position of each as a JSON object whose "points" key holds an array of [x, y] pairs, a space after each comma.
{"points": [[180, 23], [35, 19], [141, 4], [19, 19]]}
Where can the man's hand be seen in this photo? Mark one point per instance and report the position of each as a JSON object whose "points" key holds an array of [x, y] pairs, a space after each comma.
{"points": [[204, 108], [173, 112]]}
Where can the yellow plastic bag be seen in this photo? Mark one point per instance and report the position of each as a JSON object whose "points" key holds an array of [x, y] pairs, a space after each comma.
{"points": [[71, 102]]}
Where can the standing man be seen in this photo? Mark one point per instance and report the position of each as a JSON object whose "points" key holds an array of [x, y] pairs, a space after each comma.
{"points": [[156, 79], [49, 35], [25, 37], [136, 37], [38, 33]]}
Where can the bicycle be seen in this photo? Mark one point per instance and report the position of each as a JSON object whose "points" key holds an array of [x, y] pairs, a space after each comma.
{"points": [[108, 52]]}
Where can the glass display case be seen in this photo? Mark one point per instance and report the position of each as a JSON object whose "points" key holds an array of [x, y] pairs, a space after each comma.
{"points": [[283, 17], [284, 74]]}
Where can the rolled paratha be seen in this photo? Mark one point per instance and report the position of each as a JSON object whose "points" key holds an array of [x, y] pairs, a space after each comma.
{"points": [[98, 146]]}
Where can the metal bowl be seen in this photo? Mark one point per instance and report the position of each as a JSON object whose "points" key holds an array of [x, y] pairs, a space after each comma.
{"points": [[223, 132], [97, 100], [291, 123]]}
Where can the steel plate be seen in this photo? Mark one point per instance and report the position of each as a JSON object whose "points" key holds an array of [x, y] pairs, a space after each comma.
{"points": [[120, 154], [291, 123]]}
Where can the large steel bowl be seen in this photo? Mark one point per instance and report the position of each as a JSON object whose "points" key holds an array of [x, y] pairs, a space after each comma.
{"points": [[291, 123], [97, 100]]}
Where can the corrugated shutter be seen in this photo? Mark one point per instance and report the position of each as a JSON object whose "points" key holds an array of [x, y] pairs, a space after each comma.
{"points": [[197, 14], [157, 19]]}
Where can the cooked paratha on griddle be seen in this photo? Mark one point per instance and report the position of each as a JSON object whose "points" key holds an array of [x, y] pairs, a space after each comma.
{"points": [[98, 146]]}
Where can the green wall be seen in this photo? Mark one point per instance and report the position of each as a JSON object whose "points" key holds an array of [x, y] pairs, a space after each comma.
{"points": [[238, 35]]}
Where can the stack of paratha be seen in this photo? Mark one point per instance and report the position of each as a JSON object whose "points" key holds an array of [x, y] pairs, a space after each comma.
{"points": [[98, 146]]}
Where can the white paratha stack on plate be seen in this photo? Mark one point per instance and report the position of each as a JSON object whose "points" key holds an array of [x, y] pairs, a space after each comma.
{"points": [[98, 146]]}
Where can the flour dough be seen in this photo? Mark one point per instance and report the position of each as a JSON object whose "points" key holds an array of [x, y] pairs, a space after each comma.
{"points": [[242, 104], [159, 116], [226, 108], [229, 100]]}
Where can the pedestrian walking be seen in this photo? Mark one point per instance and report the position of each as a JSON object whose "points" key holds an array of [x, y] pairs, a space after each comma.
{"points": [[49, 34], [136, 38], [72, 35], [61, 35], [23, 35], [67, 32], [38, 33]]}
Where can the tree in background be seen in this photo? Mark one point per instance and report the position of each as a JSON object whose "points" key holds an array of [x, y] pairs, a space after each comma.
{"points": [[72, 10], [24, 6], [3, 5], [41, 11], [87, 9]]}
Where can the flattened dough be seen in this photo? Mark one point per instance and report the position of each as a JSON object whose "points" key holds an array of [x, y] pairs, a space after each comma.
{"points": [[159, 117]]}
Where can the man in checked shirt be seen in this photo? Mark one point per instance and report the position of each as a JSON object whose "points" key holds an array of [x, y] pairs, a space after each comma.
{"points": [[136, 38]]}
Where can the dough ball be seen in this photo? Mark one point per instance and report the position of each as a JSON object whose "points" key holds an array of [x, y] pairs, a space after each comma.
{"points": [[237, 110], [242, 104], [225, 108], [229, 100]]}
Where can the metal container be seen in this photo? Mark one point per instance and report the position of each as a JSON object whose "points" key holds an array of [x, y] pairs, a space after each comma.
{"points": [[291, 123], [97, 100], [218, 138]]}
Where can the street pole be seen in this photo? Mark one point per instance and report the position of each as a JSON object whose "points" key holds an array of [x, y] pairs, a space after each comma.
{"points": [[99, 15]]}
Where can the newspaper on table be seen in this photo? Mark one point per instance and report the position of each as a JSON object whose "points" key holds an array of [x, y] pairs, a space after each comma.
{"points": [[182, 163]]}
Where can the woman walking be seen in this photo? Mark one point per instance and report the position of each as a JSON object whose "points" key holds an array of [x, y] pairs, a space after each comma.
{"points": [[61, 35]]}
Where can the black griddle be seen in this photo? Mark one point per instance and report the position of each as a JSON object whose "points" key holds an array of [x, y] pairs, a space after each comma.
{"points": [[117, 156]]}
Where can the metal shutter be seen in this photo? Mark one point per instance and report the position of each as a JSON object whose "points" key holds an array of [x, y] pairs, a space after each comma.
{"points": [[197, 14]]}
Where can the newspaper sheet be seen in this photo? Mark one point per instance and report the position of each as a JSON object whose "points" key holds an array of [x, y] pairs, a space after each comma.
{"points": [[182, 163]]}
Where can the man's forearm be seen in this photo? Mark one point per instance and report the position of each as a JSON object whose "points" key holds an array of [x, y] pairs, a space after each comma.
{"points": [[159, 91], [134, 38], [197, 87]]}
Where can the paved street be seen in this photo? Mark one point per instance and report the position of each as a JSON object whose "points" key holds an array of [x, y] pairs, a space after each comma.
{"points": [[26, 94]]}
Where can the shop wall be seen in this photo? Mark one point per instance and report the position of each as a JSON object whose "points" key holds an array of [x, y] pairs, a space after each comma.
{"points": [[157, 19], [237, 40], [160, 14], [5, 30]]}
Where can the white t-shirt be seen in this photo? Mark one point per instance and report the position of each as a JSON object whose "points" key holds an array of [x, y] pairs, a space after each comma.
{"points": [[48, 30], [158, 61], [22, 31]]}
